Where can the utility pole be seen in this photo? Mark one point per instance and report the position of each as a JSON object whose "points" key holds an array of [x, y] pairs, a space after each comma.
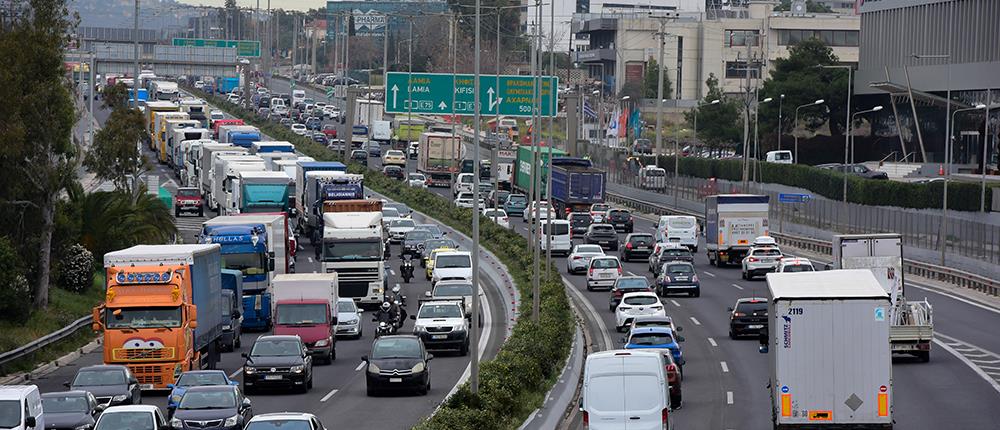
{"points": [[536, 170], [135, 37], [385, 52], [295, 41], [659, 96], [409, 77], [553, 91], [476, 210]]}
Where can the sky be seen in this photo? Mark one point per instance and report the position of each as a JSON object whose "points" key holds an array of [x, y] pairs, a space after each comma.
{"points": [[283, 4]]}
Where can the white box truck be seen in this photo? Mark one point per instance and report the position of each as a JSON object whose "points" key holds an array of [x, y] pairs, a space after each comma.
{"points": [[353, 246], [912, 329], [732, 222], [828, 348]]}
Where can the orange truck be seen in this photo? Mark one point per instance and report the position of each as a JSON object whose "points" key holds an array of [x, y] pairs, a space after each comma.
{"points": [[162, 313]]}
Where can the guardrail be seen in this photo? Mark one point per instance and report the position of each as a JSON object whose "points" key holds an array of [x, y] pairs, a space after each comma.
{"points": [[42, 342], [948, 275]]}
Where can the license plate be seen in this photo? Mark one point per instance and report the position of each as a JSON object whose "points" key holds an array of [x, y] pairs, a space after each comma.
{"points": [[272, 377], [395, 379], [605, 275], [439, 336], [146, 387], [681, 278], [603, 242], [753, 326], [641, 248]]}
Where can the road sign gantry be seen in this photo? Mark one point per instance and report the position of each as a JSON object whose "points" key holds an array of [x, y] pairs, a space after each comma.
{"points": [[431, 93]]}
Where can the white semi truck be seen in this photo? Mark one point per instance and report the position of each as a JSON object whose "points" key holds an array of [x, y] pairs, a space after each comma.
{"points": [[354, 247]]}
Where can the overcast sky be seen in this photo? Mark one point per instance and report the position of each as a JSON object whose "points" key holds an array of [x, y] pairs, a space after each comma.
{"points": [[283, 4]]}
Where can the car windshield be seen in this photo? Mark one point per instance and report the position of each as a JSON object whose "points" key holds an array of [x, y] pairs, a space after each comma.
{"points": [[641, 300], [680, 223], [453, 290], [431, 245], [453, 261], [126, 420], [249, 263], [402, 223], [199, 379], [792, 268], [216, 399], [417, 177], [417, 236], [679, 269], [63, 404], [604, 263], [275, 348], [296, 424], [187, 192], [751, 307], [301, 314], [494, 213], [346, 306], [144, 318], [10, 413], [650, 339], [589, 249], [397, 347], [631, 283], [352, 251], [440, 311]]}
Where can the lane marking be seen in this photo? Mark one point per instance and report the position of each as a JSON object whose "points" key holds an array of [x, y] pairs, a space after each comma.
{"points": [[708, 273], [989, 379], [592, 311], [309, 259], [361, 365], [392, 272], [236, 373], [725, 367], [737, 287], [695, 321], [712, 342], [631, 274], [328, 395], [952, 296], [729, 397], [675, 302]]}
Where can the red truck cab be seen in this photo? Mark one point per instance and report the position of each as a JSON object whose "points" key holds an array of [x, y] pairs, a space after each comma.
{"points": [[311, 320], [188, 199]]}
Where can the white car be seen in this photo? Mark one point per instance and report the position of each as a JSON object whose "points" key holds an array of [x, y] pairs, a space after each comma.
{"points": [[789, 265], [281, 420], [442, 325], [603, 272], [331, 112], [498, 216], [389, 215], [465, 200], [760, 260], [578, 259], [398, 228], [635, 305], [452, 265], [416, 180], [233, 98], [281, 110], [544, 212], [299, 129], [138, 417], [348, 318]]}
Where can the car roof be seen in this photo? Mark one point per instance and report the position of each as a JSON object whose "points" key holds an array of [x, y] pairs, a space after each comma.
{"points": [[131, 408], [276, 416], [279, 337], [626, 278], [654, 318], [103, 367], [641, 330], [65, 393], [640, 294], [203, 372], [455, 253], [751, 300]]}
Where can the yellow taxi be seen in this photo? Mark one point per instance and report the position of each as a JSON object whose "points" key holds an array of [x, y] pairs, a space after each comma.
{"points": [[429, 261], [394, 157]]}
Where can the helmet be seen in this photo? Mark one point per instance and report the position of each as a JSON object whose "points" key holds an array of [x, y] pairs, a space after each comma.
{"points": [[385, 306], [395, 289]]}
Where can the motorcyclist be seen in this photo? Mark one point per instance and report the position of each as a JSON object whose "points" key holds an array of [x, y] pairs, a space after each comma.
{"points": [[385, 314], [406, 268]]}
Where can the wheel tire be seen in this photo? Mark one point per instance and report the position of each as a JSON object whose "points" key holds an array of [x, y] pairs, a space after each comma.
{"points": [[239, 343], [248, 390], [675, 403], [371, 391], [732, 335], [309, 383], [464, 350], [611, 308], [201, 212], [696, 293], [589, 288], [333, 355], [924, 356]]}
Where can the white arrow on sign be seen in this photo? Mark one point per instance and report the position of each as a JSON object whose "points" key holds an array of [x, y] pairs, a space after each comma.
{"points": [[395, 92], [493, 103], [443, 106]]}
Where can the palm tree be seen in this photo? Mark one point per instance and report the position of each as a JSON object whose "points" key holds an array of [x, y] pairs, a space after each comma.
{"points": [[109, 221]]}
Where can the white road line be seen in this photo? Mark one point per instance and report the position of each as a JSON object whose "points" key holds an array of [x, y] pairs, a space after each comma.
{"points": [[709, 273], [989, 379], [361, 365], [309, 259], [959, 298], [725, 367], [675, 302], [712, 342], [392, 272], [236, 373], [630, 273], [328, 395], [737, 287], [729, 397], [695, 321], [590, 308]]}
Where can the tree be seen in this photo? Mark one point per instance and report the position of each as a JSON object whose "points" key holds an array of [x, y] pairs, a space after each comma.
{"points": [[116, 96], [811, 7], [802, 81], [718, 124], [649, 84], [39, 158], [114, 156], [112, 220]]}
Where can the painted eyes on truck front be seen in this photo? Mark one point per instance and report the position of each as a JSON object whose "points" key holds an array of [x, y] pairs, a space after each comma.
{"points": [[137, 343]]}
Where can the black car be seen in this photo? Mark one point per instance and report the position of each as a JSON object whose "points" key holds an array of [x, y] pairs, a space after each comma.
{"points": [[621, 219], [604, 235], [394, 172], [111, 384], [277, 361], [404, 210], [672, 254], [398, 362], [624, 285], [859, 170], [413, 242], [637, 245], [359, 156], [497, 197], [678, 276], [70, 410], [579, 222], [218, 407], [748, 318]]}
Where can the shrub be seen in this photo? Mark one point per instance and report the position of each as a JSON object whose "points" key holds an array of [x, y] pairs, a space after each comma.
{"points": [[15, 292], [76, 270]]}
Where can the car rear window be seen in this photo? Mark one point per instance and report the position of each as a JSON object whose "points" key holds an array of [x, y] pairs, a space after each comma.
{"points": [[605, 263], [792, 268], [655, 338], [750, 307], [766, 252], [643, 240], [670, 254], [679, 268], [680, 223], [603, 229], [641, 300], [632, 284]]}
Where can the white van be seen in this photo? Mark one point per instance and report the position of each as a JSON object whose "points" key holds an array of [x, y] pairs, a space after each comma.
{"points": [[652, 178], [680, 229], [781, 157], [625, 389], [298, 96], [463, 183], [21, 407], [561, 241]]}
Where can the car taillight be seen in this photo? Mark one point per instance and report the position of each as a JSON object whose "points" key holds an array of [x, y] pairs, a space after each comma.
{"points": [[665, 421], [619, 271], [618, 293], [590, 272], [628, 245], [586, 420], [671, 373], [577, 257], [622, 307], [752, 260]]}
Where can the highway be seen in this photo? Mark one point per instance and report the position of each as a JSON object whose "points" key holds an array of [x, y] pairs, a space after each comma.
{"points": [[338, 397], [725, 380]]}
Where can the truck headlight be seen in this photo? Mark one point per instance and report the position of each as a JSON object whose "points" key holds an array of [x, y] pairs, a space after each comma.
{"points": [[231, 421], [119, 398], [323, 342], [460, 329], [418, 328], [297, 369]]}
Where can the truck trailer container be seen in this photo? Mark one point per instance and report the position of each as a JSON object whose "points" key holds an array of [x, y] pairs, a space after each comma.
{"points": [[261, 191], [522, 166], [732, 222], [576, 184], [321, 187], [439, 157], [304, 167]]}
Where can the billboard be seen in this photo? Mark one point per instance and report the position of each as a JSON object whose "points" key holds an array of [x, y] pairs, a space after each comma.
{"points": [[368, 23]]}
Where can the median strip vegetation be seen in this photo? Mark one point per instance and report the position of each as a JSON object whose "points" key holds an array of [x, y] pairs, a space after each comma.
{"points": [[514, 383]]}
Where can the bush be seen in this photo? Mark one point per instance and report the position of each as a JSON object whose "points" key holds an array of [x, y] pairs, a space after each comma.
{"points": [[76, 269], [15, 292]]}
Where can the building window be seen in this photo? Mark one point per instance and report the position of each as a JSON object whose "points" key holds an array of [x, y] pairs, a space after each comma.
{"points": [[738, 70], [829, 37], [742, 38]]}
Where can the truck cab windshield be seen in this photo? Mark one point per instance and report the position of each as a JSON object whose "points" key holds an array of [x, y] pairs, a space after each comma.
{"points": [[143, 318], [10, 414], [301, 314], [352, 251], [249, 264]]}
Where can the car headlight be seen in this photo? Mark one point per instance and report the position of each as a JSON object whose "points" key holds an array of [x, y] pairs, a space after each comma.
{"points": [[418, 328], [227, 327], [232, 421], [119, 398], [176, 423], [176, 398], [419, 367], [323, 342], [351, 322], [84, 427], [298, 369], [373, 368], [249, 370], [460, 329]]}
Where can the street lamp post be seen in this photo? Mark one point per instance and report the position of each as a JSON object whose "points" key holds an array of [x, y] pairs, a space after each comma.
{"points": [[949, 147], [600, 116], [947, 141], [756, 137], [713, 102], [677, 145], [781, 101], [850, 125], [815, 103]]}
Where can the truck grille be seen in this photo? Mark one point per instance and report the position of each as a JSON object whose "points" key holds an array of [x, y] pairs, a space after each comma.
{"points": [[151, 374], [353, 282], [438, 329]]}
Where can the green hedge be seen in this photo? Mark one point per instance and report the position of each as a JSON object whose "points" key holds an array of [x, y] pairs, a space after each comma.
{"points": [[962, 196], [514, 383]]}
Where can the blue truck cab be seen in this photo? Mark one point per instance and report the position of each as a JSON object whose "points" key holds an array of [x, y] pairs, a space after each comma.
{"points": [[232, 309], [264, 192], [244, 139], [244, 249]]}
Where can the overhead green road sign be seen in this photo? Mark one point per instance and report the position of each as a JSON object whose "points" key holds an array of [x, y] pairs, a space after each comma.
{"points": [[244, 48], [431, 93]]}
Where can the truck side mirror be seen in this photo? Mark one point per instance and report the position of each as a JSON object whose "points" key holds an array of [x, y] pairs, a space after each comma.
{"points": [[764, 341], [270, 264]]}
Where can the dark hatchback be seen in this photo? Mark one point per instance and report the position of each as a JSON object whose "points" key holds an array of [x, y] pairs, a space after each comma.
{"points": [[678, 277], [216, 407], [111, 384], [394, 172], [279, 361], [398, 362], [621, 219], [625, 285], [359, 156], [748, 317], [579, 222], [672, 254], [604, 235], [637, 245], [70, 410], [413, 242]]}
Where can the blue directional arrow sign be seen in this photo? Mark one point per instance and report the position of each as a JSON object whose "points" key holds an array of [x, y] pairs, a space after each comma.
{"points": [[794, 198], [431, 93]]}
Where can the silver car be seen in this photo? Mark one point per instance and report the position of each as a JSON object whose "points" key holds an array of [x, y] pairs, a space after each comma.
{"points": [[578, 259], [416, 180], [348, 319]]}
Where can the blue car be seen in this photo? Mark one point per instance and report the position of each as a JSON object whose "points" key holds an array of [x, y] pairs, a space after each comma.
{"points": [[655, 338], [195, 378], [515, 204]]}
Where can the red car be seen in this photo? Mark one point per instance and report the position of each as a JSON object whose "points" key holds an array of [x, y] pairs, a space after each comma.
{"points": [[330, 131], [188, 200]]}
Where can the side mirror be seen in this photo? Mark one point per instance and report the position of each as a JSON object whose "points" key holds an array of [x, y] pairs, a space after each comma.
{"points": [[429, 357], [680, 338], [764, 339], [66, 384], [244, 355], [29, 421], [235, 315], [364, 358], [361, 311], [100, 408], [171, 386], [246, 402], [413, 317], [427, 294]]}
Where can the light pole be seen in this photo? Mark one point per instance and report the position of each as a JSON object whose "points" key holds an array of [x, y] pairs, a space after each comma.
{"points": [[815, 103], [986, 140], [949, 146], [850, 126], [947, 141], [847, 136], [713, 102], [781, 101], [756, 140], [600, 116], [677, 159]]}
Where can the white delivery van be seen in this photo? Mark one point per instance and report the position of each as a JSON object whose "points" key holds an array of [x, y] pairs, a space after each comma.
{"points": [[680, 229], [561, 241], [780, 157], [298, 96], [625, 389], [382, 131], [21, 407], [652, 178]]}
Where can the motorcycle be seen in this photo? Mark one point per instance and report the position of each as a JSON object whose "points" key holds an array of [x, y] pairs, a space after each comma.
{"points": [[384, 329], [397, 297], [406, 270]]}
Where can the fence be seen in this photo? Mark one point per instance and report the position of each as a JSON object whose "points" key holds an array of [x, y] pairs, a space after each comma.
{"points": [[33, 346]]}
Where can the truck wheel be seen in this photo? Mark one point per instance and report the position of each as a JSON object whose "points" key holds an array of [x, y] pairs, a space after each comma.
{"points": [[177, 213], [201, 212], [924, 356]]}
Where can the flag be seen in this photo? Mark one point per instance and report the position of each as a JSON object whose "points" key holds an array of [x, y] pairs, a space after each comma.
{"points": [[613, 124], [623, 123], [635, 121], [589, 111]]}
